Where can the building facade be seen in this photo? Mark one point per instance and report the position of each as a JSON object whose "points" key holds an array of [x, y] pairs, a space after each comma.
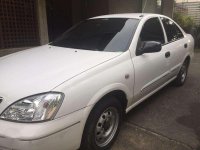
{"points": [[29, 23], [180, 8], [191, 9]]}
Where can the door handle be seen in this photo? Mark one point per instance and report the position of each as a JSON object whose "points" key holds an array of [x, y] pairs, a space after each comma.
{"points": [[167, 54], [185, 45]]}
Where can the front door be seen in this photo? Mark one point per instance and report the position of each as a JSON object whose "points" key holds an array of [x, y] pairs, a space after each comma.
{"points": [[151, 69]]}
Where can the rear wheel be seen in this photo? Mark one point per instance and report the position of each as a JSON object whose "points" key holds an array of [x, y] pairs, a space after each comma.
{"points": [[103, 125], [182, 75]]}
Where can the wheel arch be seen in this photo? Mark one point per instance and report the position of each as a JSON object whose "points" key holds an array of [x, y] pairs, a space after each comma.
{"points": [[187, 59], [118, 94], [119, 91]]}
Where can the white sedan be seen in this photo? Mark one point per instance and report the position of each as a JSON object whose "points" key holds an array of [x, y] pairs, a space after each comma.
{"points": [[72, 93]]}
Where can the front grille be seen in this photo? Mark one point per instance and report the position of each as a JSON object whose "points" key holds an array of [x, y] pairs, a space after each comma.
{"points": [[1, 99]]}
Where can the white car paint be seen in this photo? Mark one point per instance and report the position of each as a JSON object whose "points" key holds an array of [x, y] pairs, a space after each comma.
{"points": [[43, 68], [84, 77]]}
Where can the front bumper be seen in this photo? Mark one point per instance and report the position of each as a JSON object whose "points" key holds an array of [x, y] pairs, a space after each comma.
{"points": [[60, 134], [63, 140]]}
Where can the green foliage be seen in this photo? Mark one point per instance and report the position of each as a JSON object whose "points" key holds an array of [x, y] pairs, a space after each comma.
{"points": [[184, 21]]}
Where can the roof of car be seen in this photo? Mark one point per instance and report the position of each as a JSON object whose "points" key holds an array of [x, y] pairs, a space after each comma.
{"points": [[127, 15]]}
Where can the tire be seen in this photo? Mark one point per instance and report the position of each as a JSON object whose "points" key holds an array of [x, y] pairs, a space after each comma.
{"points": [[103, 124], [182, 75]]}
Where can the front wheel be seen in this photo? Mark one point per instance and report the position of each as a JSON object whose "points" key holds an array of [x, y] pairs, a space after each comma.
{"points": [[103, 125]]}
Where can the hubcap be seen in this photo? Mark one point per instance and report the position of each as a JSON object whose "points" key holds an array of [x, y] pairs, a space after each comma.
{"points": [[183, 74], [106, 126]]}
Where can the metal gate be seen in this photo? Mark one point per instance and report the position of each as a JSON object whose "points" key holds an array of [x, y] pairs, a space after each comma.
{"points": [[18, 24]]}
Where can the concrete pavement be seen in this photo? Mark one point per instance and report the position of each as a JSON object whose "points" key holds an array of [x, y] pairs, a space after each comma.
{"points": [[169, 120], [133, 137]]}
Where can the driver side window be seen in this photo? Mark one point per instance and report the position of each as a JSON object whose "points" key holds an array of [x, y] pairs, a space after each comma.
{"points": [[152, 31]]}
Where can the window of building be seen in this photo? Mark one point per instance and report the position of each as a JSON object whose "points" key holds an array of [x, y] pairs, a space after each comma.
{"points": [[18, 24], [172, 30]]}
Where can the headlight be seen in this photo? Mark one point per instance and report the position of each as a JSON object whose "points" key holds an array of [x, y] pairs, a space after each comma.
{"points": [[36, 108]]}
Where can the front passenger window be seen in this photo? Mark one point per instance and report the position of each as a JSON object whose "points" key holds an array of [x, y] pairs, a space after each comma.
{"points": [[152, 31]]}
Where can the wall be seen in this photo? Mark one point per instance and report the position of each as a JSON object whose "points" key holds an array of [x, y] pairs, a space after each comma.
{"points": [[168, 8], [81, 9], [42, 22], [96, 8], [149, 6], [59, 17], [77, 11], [41, 26], [124, 6]]}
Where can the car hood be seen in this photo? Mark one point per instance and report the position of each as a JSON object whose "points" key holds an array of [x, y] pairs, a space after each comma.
{"points": [[43, 68]]}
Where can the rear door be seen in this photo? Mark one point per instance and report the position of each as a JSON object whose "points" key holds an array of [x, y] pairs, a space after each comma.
{"points": [[151, 69], [176, 45]]}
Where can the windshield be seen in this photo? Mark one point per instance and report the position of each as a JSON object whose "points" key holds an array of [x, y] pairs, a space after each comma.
{"points": [[108, 34]]}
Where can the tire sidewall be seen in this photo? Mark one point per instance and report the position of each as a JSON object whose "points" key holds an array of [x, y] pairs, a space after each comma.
{"points": [[178, 80], [88, 141]]}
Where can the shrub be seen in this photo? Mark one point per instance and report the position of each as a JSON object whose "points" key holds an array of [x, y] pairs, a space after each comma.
{"points": [[186, 22]]}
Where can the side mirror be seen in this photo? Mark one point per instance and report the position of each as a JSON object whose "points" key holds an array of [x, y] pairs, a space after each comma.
{"points": [[149, 47]]}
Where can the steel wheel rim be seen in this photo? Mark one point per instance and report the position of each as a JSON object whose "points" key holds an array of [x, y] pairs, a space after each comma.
{"points": [[106, 126], [183, 74]]}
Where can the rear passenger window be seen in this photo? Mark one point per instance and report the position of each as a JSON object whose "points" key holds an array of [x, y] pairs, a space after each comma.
{"points": [[172, 30]]}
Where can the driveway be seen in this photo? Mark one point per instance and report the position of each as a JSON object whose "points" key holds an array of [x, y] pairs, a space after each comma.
{"points": [[169, 120]]}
